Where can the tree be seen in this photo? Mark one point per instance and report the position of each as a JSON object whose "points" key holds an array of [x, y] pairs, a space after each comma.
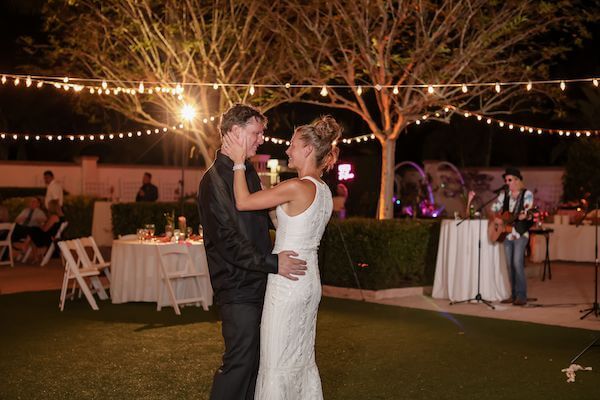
{"points": [[393, 45], [165, 42]]}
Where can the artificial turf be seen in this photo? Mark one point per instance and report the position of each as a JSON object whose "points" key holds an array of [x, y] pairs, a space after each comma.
{"points": [[364, 351]]}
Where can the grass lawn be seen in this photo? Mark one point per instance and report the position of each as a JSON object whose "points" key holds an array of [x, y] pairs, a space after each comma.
{"points": [[364, 351]]}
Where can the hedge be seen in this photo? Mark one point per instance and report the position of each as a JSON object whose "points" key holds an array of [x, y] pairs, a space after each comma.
{"points": [[78, 210], [384, 254], [128, 217]]}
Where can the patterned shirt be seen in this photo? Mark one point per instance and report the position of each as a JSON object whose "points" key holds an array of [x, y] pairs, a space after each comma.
{"points": [[512, 203]]}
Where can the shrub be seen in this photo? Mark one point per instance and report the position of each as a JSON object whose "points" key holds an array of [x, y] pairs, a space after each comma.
{"points": [[127, 217], [385, 254]]}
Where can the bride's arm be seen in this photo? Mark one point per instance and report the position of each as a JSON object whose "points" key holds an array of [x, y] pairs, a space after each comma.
{"points": [[263, 199]]}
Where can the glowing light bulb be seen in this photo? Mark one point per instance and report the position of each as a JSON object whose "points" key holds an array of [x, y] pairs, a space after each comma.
{"points": [[251, 90], [430, 89], [287, 85], [529, 86], [104, 85], [562, 85], [28, 81], [17, 81], [594, 81], [324, 91], [464, 88], [66, 79], [3, 79], [497, 87], [359, 90], [396, 91], [141, 87], [40, 84]]}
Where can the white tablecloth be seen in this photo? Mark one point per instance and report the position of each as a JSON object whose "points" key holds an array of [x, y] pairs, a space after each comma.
{"points": [[567, 243], [135, 273], [456, 265]]}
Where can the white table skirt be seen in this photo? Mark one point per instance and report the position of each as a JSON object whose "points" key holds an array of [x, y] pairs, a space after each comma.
{"points": [[135, 271], [456, 265], [567, 243]]}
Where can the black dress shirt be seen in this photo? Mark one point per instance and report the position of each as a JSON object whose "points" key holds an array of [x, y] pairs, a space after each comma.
{"points": [[238, 245], [150, 193]]}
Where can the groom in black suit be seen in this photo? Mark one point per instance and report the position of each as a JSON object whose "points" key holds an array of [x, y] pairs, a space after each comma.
{"points": [[238, 249]]}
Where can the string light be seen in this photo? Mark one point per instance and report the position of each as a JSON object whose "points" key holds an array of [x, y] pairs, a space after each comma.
{"points": [[464, 88], [90, 137], [395, 91], [430, 89], [562, 85], [529, 86], [251, 90], [497, 87], [359, 90], [323, 91]]}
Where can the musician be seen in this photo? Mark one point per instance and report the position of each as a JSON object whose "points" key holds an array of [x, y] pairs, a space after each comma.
{"points": [[516, 199]]}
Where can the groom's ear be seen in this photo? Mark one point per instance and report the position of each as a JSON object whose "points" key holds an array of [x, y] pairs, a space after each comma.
{"points": [[236, 131]]}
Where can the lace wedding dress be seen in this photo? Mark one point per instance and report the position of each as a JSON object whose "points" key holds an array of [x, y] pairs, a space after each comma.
{"points": [[287, 337]]}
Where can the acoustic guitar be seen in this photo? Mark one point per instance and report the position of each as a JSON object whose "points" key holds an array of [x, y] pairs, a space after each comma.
{"points": [[501, 224]]}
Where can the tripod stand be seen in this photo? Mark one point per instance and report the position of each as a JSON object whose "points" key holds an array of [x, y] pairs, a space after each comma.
{"points": [[595, 309], [478, 296]]}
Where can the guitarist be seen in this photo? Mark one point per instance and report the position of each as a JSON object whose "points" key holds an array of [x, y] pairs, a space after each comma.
{"points": [[516, 200]]}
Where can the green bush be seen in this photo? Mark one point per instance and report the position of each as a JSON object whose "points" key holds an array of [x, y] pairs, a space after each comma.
{"points": [[385, 254], [127, 217], [78, 211], [12, 192]]}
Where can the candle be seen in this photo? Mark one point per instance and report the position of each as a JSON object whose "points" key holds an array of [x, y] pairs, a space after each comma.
{"points": [[181, 223]]}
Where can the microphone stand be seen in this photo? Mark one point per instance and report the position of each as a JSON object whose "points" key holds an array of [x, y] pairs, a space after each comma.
{"points": [[478, 296], [595, 309]]}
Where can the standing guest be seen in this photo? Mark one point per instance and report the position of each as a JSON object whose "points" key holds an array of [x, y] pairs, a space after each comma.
{"points": [[53, 191], [30, 216], [339, 201], [148, 191], [516, 199], [41, 237]]}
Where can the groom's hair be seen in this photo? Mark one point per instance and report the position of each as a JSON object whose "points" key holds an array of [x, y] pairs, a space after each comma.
{"points": [[240, 115]]}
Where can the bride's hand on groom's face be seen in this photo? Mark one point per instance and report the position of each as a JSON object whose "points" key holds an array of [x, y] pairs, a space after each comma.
{"points": [[236, 147], [289, 266]]}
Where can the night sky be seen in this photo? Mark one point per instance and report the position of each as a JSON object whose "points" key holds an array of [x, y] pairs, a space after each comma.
{"points": [[463, 142]]}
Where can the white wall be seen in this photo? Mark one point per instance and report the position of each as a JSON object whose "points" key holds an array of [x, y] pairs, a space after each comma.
{"points": [[89, 177]]}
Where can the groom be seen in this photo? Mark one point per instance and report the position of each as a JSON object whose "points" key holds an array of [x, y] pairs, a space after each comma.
{"points": [[238, 249]]}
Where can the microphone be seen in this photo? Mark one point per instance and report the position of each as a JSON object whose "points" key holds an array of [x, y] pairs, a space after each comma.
{"points": [[500, 189]]}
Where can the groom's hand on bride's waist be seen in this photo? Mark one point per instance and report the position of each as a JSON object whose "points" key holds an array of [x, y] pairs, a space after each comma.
{"points": [[290, 266]]}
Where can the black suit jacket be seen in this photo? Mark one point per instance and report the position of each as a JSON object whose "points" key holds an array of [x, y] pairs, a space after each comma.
{"points": [[238, 245]]}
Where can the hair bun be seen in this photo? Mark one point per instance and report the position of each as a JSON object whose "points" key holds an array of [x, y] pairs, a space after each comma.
{"points": [[327, 129]]}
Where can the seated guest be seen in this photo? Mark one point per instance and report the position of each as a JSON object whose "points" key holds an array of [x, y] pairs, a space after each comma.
{"points": [[41, 237], [148, 191], [28, 218]]}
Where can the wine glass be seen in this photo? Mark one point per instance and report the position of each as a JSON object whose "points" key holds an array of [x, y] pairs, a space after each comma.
{"points": [[141, 234], [150, 228], [176, 235], [188, 232]]}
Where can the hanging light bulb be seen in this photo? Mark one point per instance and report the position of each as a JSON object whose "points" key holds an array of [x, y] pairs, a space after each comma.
{"points": [[430, 89], [464, 88], [251, 90], [359, 90], [594, 81], [66, 79], [497, 87], [395, 91], [17, 81], [562, 85], [40, 84], [28, 81], [287, 85], [104, 85], [501, 124], [378, 87], [141, 87], [324, 91], [3, 79], [529, 86]]}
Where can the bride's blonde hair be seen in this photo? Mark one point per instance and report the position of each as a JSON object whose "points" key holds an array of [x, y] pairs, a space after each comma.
{"points": [[322, 134]]}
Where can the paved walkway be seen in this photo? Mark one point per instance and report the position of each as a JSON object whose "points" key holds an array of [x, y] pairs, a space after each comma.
{"points": [[559, 300]]}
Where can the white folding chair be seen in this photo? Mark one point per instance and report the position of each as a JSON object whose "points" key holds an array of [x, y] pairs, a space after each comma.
{"points": [[6, 243], [73, 271], [176, 265], [50, 250], [97, 261]]}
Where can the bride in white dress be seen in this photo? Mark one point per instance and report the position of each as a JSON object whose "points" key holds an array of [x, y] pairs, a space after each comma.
{"points": [[287, 367]]}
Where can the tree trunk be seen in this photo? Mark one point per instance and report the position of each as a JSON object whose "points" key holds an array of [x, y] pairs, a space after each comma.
{"points": [[385, 209]]}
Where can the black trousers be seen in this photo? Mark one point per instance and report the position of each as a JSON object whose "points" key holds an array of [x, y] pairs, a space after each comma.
{"points": [[236, 378]]}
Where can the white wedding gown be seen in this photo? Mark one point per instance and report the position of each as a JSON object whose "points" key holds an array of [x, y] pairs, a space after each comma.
{"points": [[287, 335]]}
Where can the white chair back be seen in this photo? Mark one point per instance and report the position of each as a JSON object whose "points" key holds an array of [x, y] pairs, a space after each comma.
{"points": [[56, 239], [177, 265], [6, 243], [96, 261]]}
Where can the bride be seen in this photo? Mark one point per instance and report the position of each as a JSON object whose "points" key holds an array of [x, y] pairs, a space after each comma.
{"points": [[287, 352]]}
